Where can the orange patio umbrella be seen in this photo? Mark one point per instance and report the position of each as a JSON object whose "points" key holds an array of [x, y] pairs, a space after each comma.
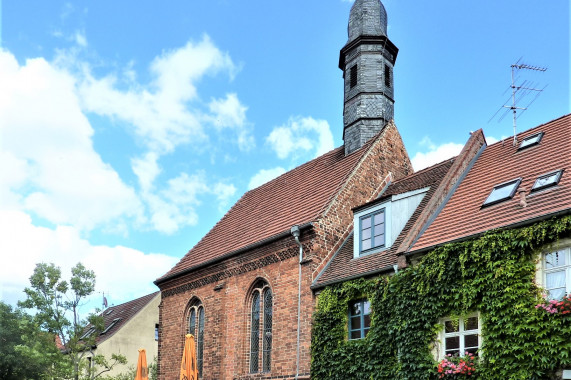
{"points": [[142, 369], [188, 368]]}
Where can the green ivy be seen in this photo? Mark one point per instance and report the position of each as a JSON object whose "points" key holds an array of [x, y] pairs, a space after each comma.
{"points": [[493, 274]]}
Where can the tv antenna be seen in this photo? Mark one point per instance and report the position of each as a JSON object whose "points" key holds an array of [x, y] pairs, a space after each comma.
{"points": [[519, 93]]}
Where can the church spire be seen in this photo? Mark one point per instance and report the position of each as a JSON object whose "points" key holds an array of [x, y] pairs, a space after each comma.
{"points": [[367, 61]]}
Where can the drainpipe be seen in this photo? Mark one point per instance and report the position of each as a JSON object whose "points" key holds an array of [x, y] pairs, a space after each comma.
{"points": [[296, 232]]}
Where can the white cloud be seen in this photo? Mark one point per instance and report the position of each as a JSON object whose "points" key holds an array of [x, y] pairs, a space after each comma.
{"points": [[80, 39], [146, 169], [264, 176], [301, 135], [223, 193], [127, 272], [175, 206], [435, 153], [159, 113], [229, 113], [54, 170]]}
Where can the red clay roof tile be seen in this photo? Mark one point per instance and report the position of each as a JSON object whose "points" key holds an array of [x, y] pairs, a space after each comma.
{"points": [[463, 216], [343, 266], [296, 197], [124, 312]]}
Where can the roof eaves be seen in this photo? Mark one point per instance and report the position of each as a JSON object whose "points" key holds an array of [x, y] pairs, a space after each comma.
{"points": [[506, 227], [238, 251]]}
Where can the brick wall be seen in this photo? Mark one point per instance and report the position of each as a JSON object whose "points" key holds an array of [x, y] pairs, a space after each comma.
{"points": [[386, 154], [224, 288], [227, 312]]}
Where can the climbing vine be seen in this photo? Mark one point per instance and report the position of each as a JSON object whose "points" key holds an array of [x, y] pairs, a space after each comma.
{"points": [[493, 274]]}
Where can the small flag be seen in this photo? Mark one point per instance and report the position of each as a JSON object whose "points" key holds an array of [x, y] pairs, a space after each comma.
{"points": [[104, 301]]}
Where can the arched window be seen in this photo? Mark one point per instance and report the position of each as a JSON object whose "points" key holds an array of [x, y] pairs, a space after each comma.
{"points": [[196, 328], [261, 318]]}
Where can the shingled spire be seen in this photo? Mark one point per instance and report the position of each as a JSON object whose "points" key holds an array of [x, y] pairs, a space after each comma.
{"points": [[367, 61]]}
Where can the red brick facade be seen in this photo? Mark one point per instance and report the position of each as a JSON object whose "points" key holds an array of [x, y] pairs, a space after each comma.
{"points": [[224, 287]]}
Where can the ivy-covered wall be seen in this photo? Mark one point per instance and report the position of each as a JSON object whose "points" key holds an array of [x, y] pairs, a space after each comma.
{"points": [[493, 274]]}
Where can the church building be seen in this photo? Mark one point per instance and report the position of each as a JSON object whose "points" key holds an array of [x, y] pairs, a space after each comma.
{"points": [[245, 289]]}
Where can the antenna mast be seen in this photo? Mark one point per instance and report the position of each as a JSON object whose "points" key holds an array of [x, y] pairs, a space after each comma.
{"points": [[519, 92]]}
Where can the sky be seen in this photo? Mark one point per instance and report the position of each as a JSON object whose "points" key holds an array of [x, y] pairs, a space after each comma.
{"points": [[129, 128]]}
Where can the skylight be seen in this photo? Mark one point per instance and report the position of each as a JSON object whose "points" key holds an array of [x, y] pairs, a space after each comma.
{"points": [[502, 192], [531, 140], [111, 325], [547, 180], [109, 311], [88, 333]]}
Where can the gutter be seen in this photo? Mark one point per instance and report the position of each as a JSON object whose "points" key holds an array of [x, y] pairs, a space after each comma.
{"points": [[257, 244]]}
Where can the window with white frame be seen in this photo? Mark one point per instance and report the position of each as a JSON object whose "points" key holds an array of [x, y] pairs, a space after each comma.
{"points": [[372, 230], [359, 319], [557, 272], [461, 335]]}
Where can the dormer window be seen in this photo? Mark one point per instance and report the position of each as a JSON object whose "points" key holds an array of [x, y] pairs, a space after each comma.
{"points": [[372, 230], [547, 180], [375, 230], [502, 192], [531, 140]]}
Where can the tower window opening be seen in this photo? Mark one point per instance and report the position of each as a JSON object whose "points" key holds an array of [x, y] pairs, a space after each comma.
{"points": [[353, 77], [387, 76]]}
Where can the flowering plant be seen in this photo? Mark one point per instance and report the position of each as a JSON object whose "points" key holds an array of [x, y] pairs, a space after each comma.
{"points": [[457, 367], [557, 307]]}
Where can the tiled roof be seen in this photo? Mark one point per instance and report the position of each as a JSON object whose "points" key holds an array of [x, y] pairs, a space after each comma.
{"points": [[124, 312], [463, 216], [343, 266], [296, 197]]}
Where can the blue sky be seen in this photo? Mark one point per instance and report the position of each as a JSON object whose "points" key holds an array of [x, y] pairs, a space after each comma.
{"points": [[129, 128]]}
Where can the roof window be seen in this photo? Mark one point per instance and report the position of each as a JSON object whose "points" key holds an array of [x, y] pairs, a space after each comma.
{"points": [[502, 192], [111, 325], [109, 311], [547, 180], [531, 140], [87, 333]]}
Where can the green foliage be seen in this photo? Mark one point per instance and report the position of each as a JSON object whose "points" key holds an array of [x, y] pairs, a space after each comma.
{"points": [[17, 359], [56, 304], [493, 274]]}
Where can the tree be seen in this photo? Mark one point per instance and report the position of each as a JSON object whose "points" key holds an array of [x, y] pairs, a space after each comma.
{"points": [[57, 306], [16, 361]]}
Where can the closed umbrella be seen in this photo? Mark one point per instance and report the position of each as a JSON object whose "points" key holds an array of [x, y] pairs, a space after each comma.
{"points": [[188, 369], [142, 369]]}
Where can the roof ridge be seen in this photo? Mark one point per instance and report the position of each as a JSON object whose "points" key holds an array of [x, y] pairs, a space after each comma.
{"points": [[295, 169]]}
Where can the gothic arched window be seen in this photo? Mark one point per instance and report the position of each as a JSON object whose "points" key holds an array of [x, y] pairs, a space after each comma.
{"points": [[261, 318], [196, 328]]}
